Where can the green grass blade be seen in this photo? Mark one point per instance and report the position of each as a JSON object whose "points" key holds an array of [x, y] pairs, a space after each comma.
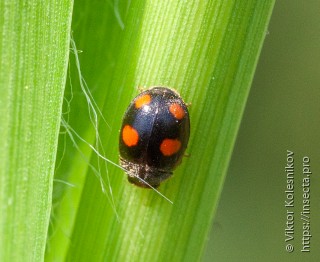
{"points": [[207, 50], [34, 48]]}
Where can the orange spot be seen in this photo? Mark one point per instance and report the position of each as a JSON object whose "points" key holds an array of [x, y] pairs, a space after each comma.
{"points": [[169, 147], [143, 100], [130, 136], [177, 111]]}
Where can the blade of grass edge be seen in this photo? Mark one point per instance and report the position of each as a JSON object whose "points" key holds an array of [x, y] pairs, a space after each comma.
{"points": [[91, 61]]}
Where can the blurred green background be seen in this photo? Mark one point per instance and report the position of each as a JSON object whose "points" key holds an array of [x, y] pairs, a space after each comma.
{"points": [[283, 112]]}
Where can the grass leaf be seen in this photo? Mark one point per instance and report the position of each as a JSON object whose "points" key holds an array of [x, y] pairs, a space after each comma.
{"points": [[206, 50], [34, 50]]}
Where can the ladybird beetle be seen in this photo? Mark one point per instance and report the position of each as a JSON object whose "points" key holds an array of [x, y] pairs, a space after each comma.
{"points": [[153, 137]]}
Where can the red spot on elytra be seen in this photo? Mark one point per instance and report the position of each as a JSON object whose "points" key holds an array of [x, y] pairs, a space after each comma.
{"points": [[142, 100], [177, 111], [169, 147], [130, 136]]}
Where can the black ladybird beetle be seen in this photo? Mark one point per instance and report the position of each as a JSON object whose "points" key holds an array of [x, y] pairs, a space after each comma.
{"points": [[154, 135]]}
